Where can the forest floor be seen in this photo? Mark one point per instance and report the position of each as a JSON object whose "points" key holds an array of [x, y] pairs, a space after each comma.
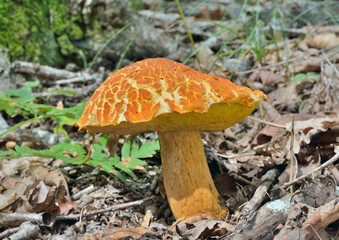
{"points": [[277, 171]]}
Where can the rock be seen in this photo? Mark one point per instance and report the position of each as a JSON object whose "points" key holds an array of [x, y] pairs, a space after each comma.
{"points": [[5, 69]]}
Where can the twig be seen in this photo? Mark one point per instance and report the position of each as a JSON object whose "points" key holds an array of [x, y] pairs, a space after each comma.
{"points": [[62, 76], [76, 79], [87, 190], [100, 211], [288, 30], [292, 154], [322, 166], [8, 232], [315, 231], [260, 193], [27, 230], [42, 71], [236, 155], [330, 63], [242, 179], [15, 219], [268, 123]]}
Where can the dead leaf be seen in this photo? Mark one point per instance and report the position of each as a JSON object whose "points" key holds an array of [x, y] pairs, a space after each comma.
{"points": [[193, 219], [40, 196], [284, 95], [268, 132], [335, 171], [324, 215], [317, 192], [203, 228], [65, 206], [12, 198], [309, 64], [331, 29], [268, 78], [225, 184], [296, 216], [323, 40], [306, 130], [42, 190], [302, 217], [113, 233], [311, 162]]}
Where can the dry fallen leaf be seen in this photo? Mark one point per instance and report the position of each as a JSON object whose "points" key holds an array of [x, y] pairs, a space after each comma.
{"points": [[268, 78], [305, 131], [42, 190], [268, 132], [112, 233], [203, 228], [193, 219], [323, 40], [303, 221]]}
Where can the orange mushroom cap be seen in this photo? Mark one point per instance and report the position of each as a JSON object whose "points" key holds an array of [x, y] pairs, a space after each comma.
{"points": [[162, 95]]}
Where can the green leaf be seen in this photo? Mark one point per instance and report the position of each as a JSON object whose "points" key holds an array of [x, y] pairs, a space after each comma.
{"points": [[126, 150], [32, 84], [75, 153], [298, 77], [126, 170], [312, 75], [64, 91], [146, 150]]}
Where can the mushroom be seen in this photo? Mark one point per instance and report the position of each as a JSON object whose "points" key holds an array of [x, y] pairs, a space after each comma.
{"points": [[177, 102]]}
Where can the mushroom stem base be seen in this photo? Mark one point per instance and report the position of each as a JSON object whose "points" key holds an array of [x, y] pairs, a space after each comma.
{"points": [[188, 182]]}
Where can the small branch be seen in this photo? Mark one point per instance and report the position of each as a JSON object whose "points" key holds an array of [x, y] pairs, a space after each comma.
{"points": [[15, 219], [322, 166], [292, 154], [76, 79], [27, 230], [84, 191], [42, 71], [9, 232], [236, 155], [268, 123], [260, 193], [100, 211]]}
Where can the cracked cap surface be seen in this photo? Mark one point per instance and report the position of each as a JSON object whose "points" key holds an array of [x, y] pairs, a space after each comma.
{"points": [[162, 95]]}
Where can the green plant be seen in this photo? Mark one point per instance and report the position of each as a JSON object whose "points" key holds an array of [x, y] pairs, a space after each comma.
{"points": [[75, 153], [309, 76], [21, 102], [108, 41], [137, 4], [302, 103]]}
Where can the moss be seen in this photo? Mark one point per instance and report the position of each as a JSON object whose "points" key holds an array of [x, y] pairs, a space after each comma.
{"points": [[35, 29], [75, 32], [65, 44]]}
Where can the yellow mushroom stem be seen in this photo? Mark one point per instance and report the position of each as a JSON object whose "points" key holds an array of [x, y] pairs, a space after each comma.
{"points": [[189, 186]]}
